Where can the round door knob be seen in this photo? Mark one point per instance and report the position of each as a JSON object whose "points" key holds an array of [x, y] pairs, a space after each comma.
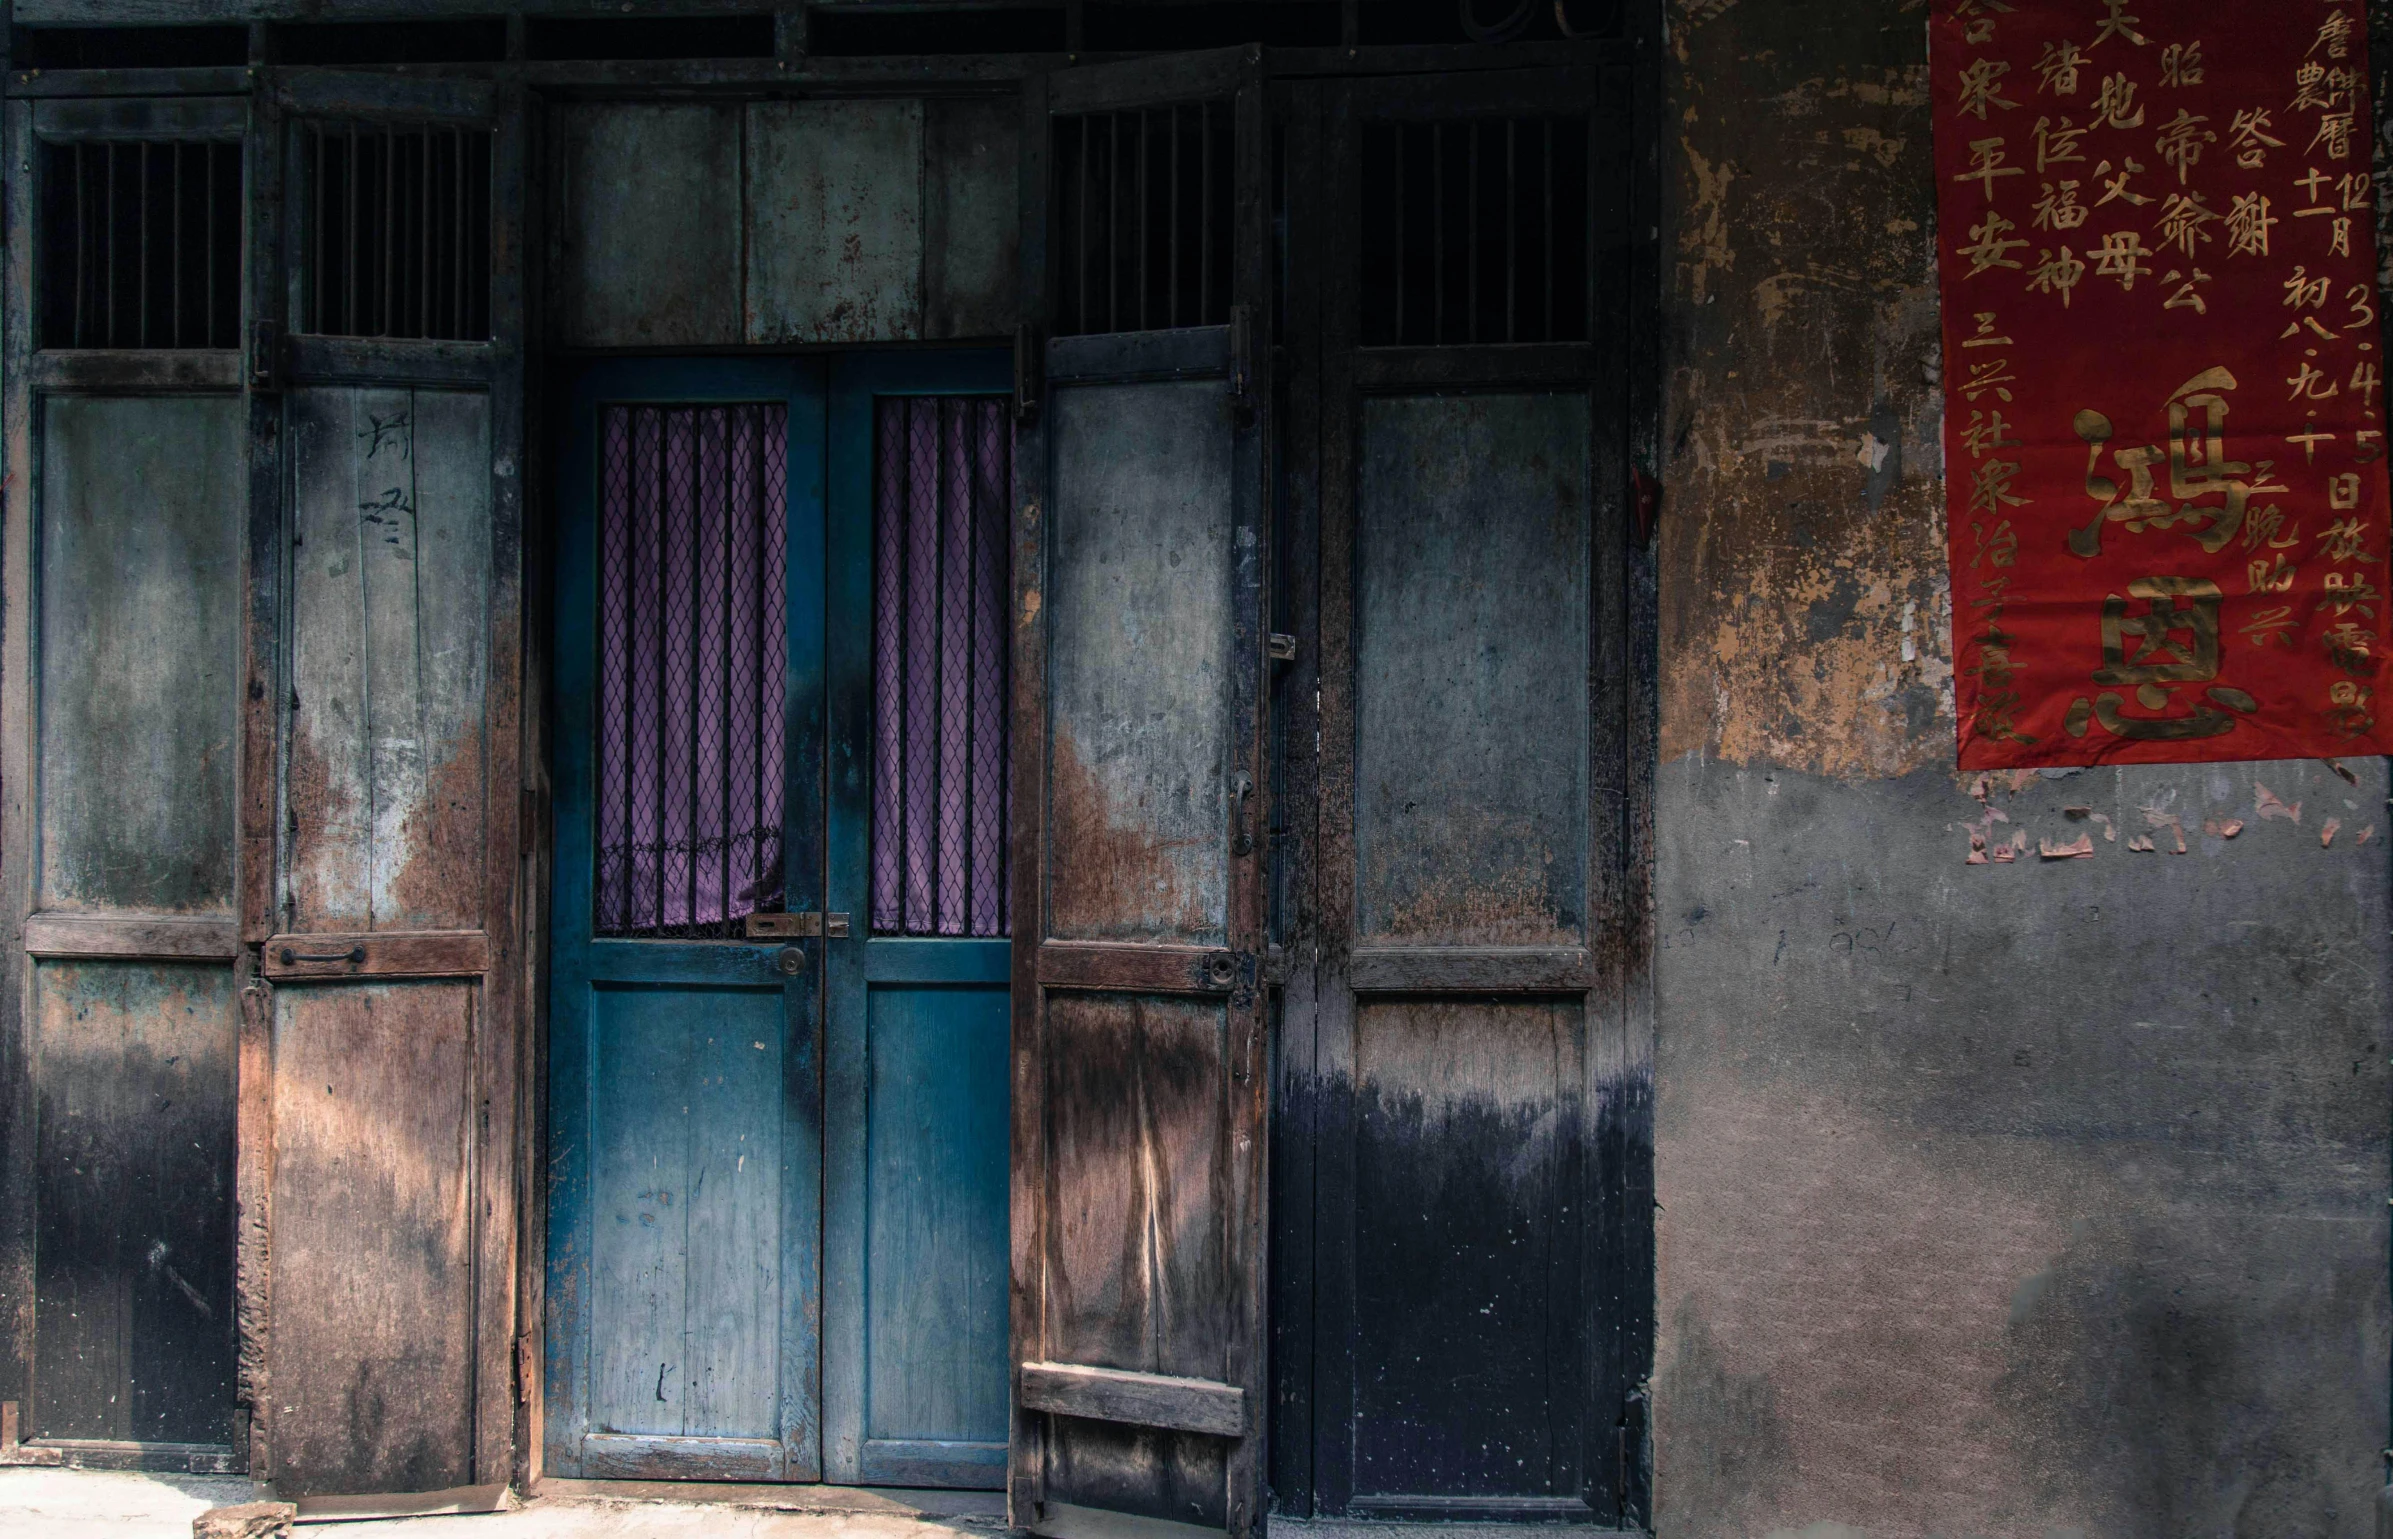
{"points": [[791, 960]]}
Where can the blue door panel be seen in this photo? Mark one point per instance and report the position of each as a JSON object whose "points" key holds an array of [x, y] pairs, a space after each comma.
{"points": [[935, 1206], [686, 1244], [917, 1078], [778, 1168]]}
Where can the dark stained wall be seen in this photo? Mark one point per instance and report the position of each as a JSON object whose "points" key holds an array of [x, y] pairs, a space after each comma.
{"points": [[2030, 1198]]}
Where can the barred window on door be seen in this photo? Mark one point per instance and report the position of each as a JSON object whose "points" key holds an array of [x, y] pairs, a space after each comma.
{"points": [[943, 475], [692, 664]]}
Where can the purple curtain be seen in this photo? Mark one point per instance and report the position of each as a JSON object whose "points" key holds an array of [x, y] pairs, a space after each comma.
{"points": [[942, 495], [692, 625]]}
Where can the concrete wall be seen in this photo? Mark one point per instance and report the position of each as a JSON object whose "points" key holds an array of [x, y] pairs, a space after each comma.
{"points": [[2035, 1198]]}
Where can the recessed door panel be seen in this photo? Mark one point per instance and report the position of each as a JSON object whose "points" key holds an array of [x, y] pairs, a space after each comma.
{"points": [[686, 1243], [133, 1148], [1468, 1231], [140, 556], [1140, 667], [935, 1216], [390, 576], [1471, 645]]}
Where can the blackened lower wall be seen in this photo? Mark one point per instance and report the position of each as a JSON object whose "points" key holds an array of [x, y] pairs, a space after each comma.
{"points": [[2037, 1198]]}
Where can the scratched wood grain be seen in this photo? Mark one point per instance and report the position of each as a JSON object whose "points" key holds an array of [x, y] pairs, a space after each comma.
{"points": [[1137, 1159], [372, 1237], [386, 755]]}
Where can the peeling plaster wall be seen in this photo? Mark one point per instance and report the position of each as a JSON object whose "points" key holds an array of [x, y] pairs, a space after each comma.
{"points": [[2037, 1197]]}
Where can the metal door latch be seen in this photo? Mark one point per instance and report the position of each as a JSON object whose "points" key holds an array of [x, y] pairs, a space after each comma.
{"points": [[353, 956], [811, 922]]}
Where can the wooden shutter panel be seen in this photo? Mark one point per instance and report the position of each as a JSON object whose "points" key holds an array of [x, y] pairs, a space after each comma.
{"points": [[119, 690], [385, 706], [1139, 1010]]}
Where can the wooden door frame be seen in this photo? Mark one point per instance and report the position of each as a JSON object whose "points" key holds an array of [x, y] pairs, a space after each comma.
{"points": [[1313, 1081]]}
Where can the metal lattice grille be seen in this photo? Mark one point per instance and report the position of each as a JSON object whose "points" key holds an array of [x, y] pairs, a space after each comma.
{"points": [[397, 222], [1475, 231], [692, 667], [141, 244], [943, 474], [1143, 216]]}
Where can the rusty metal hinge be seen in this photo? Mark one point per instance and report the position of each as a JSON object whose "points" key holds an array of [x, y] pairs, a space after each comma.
{"points": [[265, 356], [1242, 360], [1030, 372]]}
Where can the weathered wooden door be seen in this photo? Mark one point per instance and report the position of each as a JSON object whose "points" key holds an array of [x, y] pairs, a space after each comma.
{"points": [[381, 786], [128, 451], [1138, 999], [264, 394], [1467, 1254], [376, 765], [777, 1014], [920, 456], [687, 929]]}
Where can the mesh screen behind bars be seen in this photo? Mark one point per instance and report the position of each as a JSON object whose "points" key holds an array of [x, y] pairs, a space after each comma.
{"points": [[942, 493], [692, 629]]}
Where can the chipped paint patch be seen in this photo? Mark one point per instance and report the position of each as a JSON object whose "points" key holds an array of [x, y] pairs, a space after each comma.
{"points": [[1703, 243], [1806, 618]]}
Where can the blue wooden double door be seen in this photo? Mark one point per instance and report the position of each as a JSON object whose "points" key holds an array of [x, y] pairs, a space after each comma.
{"points": [[778, 1092]]}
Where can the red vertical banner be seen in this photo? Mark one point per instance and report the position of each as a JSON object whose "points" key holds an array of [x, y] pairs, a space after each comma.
{"points": [[2164, 414]]}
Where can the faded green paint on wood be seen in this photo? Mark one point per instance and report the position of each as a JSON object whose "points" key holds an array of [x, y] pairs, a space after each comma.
{"points": [[138, 651], [385, 771], [935, 1205], [648, 225], [834, 221], [972, 217], [686, 1256]]}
